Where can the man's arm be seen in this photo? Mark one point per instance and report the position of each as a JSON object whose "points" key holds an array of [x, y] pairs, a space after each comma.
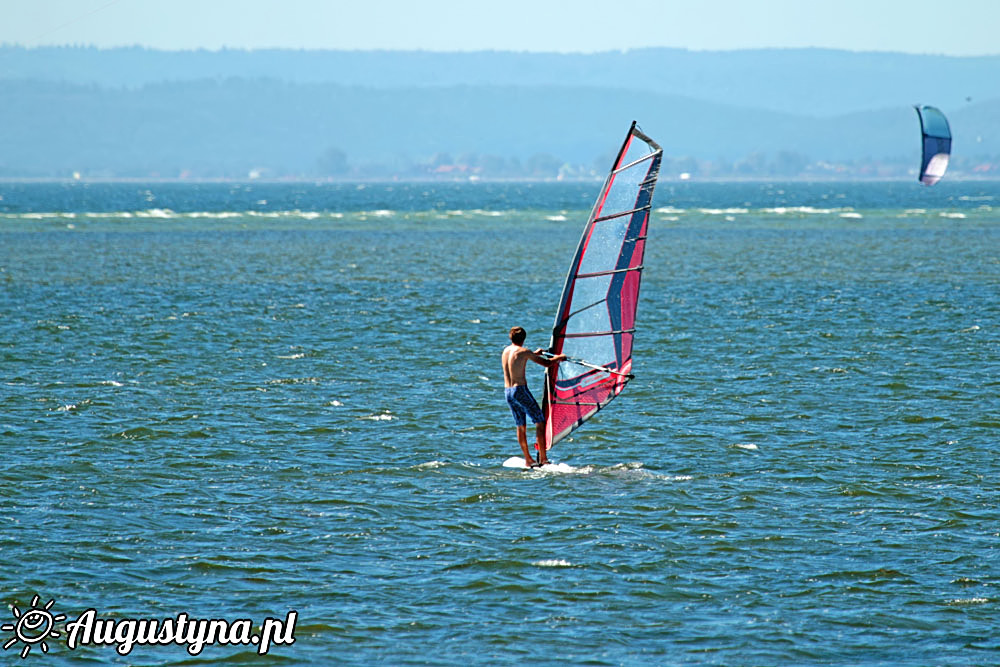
{"points": [[537, 357]]}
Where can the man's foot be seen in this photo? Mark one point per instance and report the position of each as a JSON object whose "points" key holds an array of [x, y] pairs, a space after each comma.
{"points": [[543, 458], [528, 463]]}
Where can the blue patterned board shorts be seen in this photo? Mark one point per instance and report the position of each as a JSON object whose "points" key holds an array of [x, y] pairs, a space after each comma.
{"points": [[521, 402]]}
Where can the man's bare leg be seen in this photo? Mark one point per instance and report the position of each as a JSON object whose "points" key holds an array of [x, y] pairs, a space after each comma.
{"points": [[522, 439], [543, 456]]}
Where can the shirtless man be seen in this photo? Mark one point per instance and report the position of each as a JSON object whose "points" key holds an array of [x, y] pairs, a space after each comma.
{"points": [[514, 358]]}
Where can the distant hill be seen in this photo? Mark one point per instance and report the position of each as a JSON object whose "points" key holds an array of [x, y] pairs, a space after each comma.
{"points": [[780, 113], [818, 82]]}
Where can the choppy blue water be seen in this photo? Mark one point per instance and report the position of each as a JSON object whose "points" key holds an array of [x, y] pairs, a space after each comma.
{"points": [[234, 401]]}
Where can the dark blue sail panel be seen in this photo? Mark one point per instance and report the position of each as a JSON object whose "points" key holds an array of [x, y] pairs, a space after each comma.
{"points": [[936, 144]]}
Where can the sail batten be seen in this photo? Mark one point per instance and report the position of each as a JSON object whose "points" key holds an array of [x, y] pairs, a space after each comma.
{"points": [[610, 332], [632, 164], [595, 322], [622, 213], [609, 273]]}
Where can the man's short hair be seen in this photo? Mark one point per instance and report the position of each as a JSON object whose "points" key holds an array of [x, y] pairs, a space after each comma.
{"points": [[517, 335]]}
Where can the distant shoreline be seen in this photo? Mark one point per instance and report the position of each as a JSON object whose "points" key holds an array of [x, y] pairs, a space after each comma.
{"points": [[483, 181]]}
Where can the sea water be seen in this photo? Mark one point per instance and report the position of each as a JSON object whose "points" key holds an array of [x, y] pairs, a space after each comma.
{"points": [[239, 401]]}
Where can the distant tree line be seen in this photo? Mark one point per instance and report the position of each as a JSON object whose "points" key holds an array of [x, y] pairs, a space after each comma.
{"points": [[335, 164]]}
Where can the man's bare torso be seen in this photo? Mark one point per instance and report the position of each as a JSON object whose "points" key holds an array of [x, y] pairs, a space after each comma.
{"points": [[514, 359]]}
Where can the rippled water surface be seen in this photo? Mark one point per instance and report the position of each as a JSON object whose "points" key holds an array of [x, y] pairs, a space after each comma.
{"points": [[234, 401]]}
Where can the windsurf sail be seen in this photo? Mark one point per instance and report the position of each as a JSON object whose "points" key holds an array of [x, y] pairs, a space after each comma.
{"points": [[595, 322], [936, 144]]}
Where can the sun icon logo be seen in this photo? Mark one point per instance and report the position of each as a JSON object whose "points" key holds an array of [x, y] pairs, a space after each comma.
{"points": [[34, 626]]}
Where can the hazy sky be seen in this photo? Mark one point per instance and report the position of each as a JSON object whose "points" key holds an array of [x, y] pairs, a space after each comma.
{"points": [[953, 27]]}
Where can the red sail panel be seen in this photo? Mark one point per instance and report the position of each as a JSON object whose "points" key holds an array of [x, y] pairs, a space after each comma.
{"points": [[595, 322]]}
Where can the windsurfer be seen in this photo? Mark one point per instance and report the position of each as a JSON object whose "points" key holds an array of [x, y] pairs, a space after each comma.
{"points": [[522, 404]]}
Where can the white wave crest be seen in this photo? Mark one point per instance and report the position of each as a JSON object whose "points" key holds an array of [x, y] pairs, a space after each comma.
{"points": [[723, 211], [809, 210], [164, 213]]}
